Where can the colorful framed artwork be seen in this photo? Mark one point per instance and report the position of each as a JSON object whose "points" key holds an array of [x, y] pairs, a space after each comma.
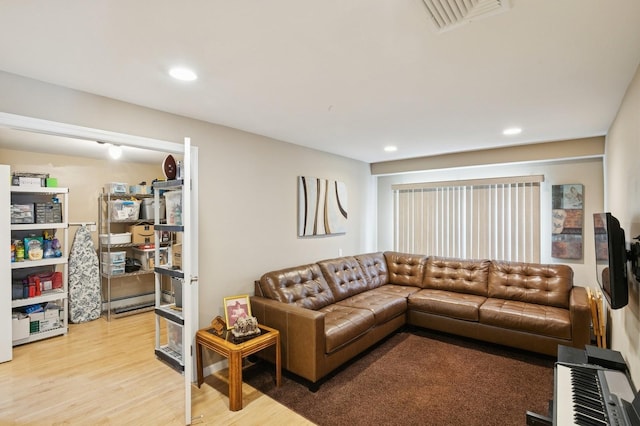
{"points": [[567, 221]]}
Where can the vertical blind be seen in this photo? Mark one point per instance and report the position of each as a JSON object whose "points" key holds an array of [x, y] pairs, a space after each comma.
{"points": [[479, 219]]}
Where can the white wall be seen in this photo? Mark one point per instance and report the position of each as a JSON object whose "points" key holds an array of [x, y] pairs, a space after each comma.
{"points": [[247, 205], [622, 198], [587, 172]]}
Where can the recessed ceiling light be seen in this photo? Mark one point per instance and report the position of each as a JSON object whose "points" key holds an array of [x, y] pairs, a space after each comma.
{"points": [[512, 131], [390, 148], [182, 74]]}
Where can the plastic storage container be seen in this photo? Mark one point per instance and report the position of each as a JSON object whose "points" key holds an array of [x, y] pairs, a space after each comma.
{"points": [[115, 257], [174, 207], [147, 209], [174, 336], [116, 188], [125, 209], [113, 269], [124, 238], [147, 257]]}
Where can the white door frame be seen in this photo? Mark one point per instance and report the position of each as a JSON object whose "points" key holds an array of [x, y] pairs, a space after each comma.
{"points": [[38, 125]]}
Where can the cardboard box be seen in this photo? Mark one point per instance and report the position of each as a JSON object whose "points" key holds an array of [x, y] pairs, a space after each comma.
{"points": [[20, 328], [142, 234], [53, 314], [176, 255], [49, 324], [36, 316]]}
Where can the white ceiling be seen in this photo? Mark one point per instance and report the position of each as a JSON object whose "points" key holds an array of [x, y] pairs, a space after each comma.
{"points": [[346, 77]]}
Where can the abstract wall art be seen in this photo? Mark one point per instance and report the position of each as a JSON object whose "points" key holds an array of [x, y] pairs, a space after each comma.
{"points": [[322, 207], [567, 221]]}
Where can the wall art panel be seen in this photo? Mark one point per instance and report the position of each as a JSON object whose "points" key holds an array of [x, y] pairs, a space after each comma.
{"points": [[567, 221], [322, 207]]}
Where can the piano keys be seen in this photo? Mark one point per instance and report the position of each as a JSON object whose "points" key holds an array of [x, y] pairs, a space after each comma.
{"points": [[590, 395]]}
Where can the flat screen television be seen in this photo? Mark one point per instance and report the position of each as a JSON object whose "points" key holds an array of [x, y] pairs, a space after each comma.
{"points": [[611, 259]]}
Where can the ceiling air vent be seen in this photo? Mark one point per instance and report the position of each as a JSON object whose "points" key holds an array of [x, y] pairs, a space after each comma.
{"points": [[448, 14]]}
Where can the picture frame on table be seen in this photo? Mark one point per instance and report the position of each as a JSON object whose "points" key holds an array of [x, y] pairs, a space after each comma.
{"points": [[236, 307]]}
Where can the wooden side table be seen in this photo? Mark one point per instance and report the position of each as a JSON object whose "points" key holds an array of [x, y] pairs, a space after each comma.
{"points": [[224, 345]]}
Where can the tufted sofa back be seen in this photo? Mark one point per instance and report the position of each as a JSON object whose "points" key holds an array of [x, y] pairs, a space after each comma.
{"points": [[302, 285], [459, 275], [375, 269], [529, 282], [344, 276], [405, 269]]}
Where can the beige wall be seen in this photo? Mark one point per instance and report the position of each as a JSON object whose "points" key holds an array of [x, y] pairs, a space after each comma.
{"points": [[622, 199], [586, 171], [248, 193]]}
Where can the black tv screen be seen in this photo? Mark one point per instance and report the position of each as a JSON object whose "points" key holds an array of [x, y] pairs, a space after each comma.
{"points": [[611, 259]]}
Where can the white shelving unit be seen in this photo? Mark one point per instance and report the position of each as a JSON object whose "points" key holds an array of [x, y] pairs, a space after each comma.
{"points": [[20, 195], [169, 347]]}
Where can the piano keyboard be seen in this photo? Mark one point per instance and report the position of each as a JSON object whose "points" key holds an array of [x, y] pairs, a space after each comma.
{"points": [[590, 396]]}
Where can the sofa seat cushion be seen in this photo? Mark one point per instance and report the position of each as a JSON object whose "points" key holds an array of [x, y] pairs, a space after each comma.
{"points": [[384, 306], [343, 324], [528, 317], [447, 303], [397, 290]]}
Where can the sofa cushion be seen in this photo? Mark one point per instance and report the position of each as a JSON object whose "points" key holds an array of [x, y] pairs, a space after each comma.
{"points": [[343, 324], [375, 269], [384, 306], [405, 269], [447, 303], [344, 276], [462, 276], [531, 282], [528, 317], [398, 290], [302, 285]]}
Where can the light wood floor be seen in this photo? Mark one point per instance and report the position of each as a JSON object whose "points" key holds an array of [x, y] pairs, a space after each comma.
{"points": [[106, 373]]}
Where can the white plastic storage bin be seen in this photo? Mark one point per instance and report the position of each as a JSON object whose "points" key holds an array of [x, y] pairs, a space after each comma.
{"points": [[174, 207], [116, 188], [147, 257], [115, 257], [124, 238], [174, 336], [147, 210], [113, 269], [125, 209]]}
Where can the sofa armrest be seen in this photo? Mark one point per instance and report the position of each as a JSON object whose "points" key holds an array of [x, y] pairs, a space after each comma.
{"points": [[301, 334], [580, 317]]}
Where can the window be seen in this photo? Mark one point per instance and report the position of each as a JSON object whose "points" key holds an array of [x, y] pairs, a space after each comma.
{"points": [[479, 219]]}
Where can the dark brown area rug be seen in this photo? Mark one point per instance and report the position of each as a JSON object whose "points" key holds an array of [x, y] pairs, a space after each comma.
{"points": [[418, 377]]}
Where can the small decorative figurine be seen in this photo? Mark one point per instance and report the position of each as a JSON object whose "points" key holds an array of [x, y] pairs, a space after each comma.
{"points": [[218, 325], [246, 326]]}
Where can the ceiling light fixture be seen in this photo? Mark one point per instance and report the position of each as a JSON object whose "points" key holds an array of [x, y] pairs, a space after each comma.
{"points": [[182, 74], [115, 151], [511, 131], [390, 148]]}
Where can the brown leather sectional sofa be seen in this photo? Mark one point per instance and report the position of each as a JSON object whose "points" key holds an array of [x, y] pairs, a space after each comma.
{"points": [[330, 311]]}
